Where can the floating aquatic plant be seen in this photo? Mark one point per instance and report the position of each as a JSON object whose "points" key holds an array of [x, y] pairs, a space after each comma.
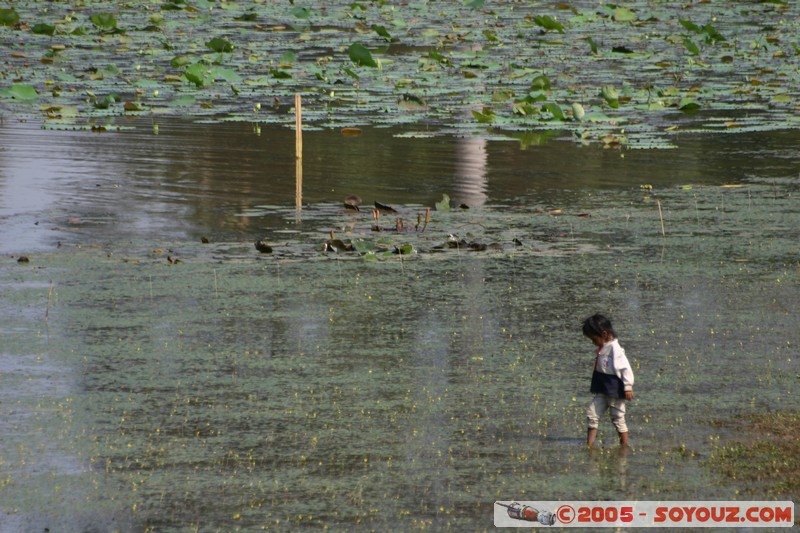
{"points": [[8, 16], [104, 21], [450, 52]]}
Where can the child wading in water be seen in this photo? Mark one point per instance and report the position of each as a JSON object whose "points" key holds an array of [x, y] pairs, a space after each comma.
{"points": [[612, 379]]}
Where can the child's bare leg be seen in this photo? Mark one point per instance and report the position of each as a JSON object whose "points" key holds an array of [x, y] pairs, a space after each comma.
{"points": [[618, 418], [593, 411]]}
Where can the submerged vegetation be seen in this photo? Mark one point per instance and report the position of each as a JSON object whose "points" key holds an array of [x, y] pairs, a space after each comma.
{"points": [[208, 386], [638, 72], [765, 456]]}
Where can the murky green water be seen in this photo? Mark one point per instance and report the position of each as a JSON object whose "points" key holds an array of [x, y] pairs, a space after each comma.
{"points": [[148, 380]]}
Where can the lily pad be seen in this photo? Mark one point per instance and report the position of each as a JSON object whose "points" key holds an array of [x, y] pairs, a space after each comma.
{"points": [[360, 55], [218, 44], [43, 29], [21, 92], [610, 95], [548, 23], [555, 110], [8, 16], [540, 83], [104, 20]]}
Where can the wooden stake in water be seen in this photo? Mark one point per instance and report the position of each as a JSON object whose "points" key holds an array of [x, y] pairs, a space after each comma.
{"points": [[661, 216], [298, 152]]}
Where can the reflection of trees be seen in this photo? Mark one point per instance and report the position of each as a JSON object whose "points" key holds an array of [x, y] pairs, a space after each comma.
{"points": [[192, 179]]}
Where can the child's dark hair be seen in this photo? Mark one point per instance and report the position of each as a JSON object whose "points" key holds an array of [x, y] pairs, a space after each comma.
{"points": [[595, 325]]}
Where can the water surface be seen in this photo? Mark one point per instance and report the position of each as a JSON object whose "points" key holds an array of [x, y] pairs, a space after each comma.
{"points": [[150, 380], [184, 180]]}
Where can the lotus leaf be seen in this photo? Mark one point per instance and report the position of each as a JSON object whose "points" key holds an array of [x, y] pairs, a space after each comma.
{"points": [[8, 16], [360, 55]]}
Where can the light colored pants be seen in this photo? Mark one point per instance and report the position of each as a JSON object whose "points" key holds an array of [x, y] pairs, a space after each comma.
{"points": [[602, 403]]}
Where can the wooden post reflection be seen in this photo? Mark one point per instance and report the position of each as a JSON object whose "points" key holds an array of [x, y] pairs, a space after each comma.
{"points": [[298, 155]]}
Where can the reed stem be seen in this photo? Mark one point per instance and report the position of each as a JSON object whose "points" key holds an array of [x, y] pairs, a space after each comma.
{"points": [[49, 301]]}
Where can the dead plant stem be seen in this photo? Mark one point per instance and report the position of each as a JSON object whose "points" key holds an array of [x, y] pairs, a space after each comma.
{"points": [[49, 301]]}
